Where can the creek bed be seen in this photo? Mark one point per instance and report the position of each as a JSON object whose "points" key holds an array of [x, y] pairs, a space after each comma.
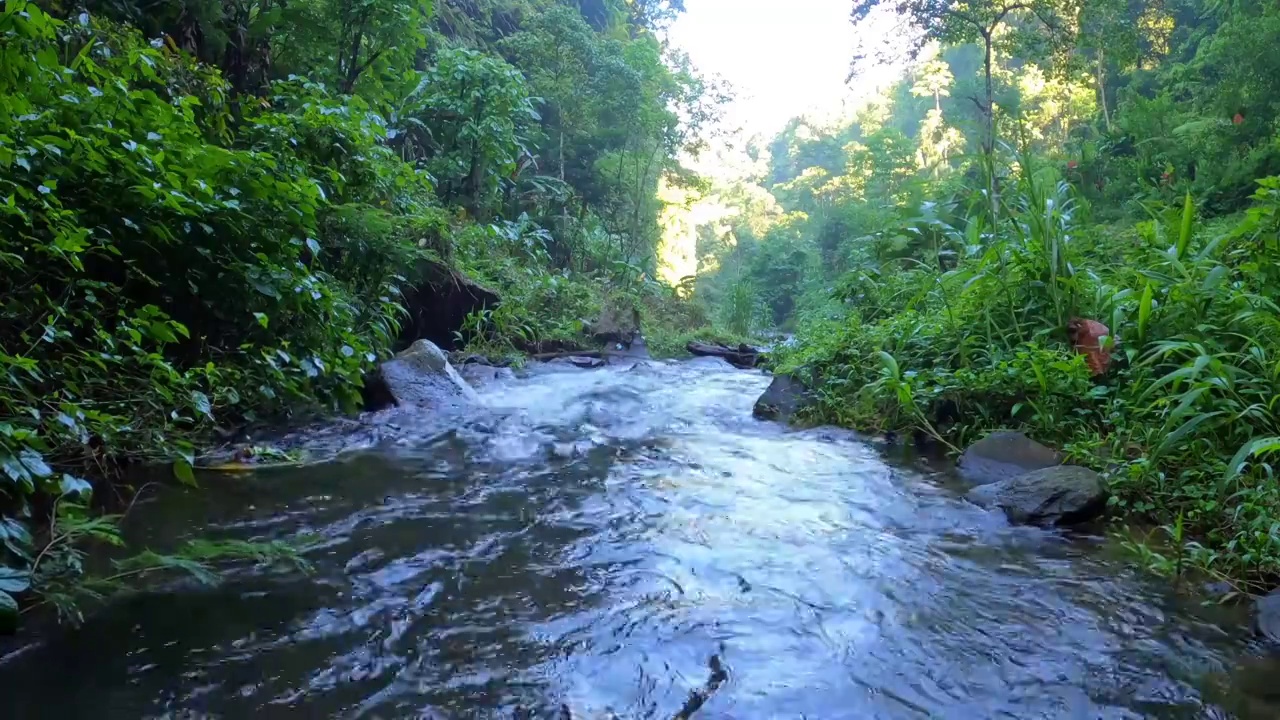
{"points": [[607, 541]]}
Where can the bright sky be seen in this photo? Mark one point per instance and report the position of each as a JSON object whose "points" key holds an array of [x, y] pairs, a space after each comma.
{"points": [[784, 57]]}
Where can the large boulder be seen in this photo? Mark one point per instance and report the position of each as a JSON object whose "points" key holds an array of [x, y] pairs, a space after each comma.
{"points": [[1004, 455], [638, 350], [616, 326], [785, 397], [1267, 617], [421, 375], [1059, 495], [439, 302]]}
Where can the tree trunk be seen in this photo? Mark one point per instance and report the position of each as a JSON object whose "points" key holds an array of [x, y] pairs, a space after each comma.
{"points": [[351, 72], [989, 142], [476, 174], [562, 150], [1102, 89]]}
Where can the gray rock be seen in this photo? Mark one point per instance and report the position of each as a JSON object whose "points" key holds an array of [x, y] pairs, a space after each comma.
{"points": [[579, 361], [1004, 455], [743, 356], [478, 375], [1267, 618], [617, 324], [1059, 495], [422, 375], [637, 350], [785, 397]]}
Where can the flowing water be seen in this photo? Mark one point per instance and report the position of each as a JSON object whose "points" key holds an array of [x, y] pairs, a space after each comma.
{"points": [[613, 543]]}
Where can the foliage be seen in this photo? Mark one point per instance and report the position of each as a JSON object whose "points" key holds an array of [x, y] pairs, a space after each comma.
{"points": [[1182, 429], [1136, 186], [208, 210]]}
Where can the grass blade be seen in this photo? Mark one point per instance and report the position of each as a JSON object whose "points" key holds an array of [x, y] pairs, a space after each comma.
{"points": [[1184, 231]]}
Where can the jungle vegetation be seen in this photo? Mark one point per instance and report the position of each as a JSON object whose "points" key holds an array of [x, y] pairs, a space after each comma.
{"points": [[1044, 161], [209, 210]]}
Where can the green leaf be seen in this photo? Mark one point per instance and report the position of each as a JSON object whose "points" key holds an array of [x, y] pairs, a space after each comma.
{"points": [[266, 289], [1145, 306], [8, 606], [14, 469], [161, 331], [13, 580], [200, 402], [71, 485], [1173, 438], [890, 364], [1256, 446], [182, 470], [1184, 231], [262, 319], [16, 537], [35, 463]]}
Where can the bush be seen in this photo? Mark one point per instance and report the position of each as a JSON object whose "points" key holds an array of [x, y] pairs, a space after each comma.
{"points": [[1184, 425], [166, 267]]}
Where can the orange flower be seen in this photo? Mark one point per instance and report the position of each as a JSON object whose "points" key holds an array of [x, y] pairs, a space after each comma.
{"points": [[1087, 336]]}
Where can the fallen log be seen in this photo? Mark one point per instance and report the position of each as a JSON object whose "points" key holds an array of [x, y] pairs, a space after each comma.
{"points": [[743, 356]]}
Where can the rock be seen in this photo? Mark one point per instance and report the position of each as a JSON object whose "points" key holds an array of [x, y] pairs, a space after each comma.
{"points": [[710, 363], [459, 359], [637, 350], [783, 399], [1267, 618], [1004, 455], [743, 356], [477, 374], [586, 362], [420, 375], [616, 324], [439, 301], [1059, 495]]}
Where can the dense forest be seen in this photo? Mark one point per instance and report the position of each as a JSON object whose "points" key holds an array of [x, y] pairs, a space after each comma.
{"points": [[217, 214], [1048, 174], [212, 211]]}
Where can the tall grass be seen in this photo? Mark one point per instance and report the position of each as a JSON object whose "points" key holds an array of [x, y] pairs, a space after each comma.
{"points": [[1185, 426], [741, 306]]}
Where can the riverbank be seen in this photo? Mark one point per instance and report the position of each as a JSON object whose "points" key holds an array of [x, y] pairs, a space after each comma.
{"points": [[200, 233], [1171, 401]]}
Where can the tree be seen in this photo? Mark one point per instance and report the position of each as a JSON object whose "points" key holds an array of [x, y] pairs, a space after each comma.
{"points": [[933, 79], [955, 22]]}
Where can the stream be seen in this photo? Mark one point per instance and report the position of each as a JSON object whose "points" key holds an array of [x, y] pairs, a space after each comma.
{"points": [[630, 543]]}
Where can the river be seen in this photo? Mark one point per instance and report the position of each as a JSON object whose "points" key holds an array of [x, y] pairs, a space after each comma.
{"points": [[603, 544]]}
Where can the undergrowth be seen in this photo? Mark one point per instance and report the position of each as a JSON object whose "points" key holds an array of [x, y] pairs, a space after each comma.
{"points": [[1184, 425]]}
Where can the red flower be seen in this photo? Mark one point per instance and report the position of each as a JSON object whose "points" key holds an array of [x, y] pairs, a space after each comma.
{"points": [[1238, 119], [1072, 165]]}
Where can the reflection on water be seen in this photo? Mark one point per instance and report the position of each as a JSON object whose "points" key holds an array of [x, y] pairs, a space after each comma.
{"points": [[592, 539]]}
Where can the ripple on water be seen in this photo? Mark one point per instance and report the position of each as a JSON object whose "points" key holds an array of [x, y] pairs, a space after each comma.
{"points": [[592, 538]]}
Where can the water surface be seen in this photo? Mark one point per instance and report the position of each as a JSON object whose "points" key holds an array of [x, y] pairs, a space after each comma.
{"points": [[592, 540]]}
